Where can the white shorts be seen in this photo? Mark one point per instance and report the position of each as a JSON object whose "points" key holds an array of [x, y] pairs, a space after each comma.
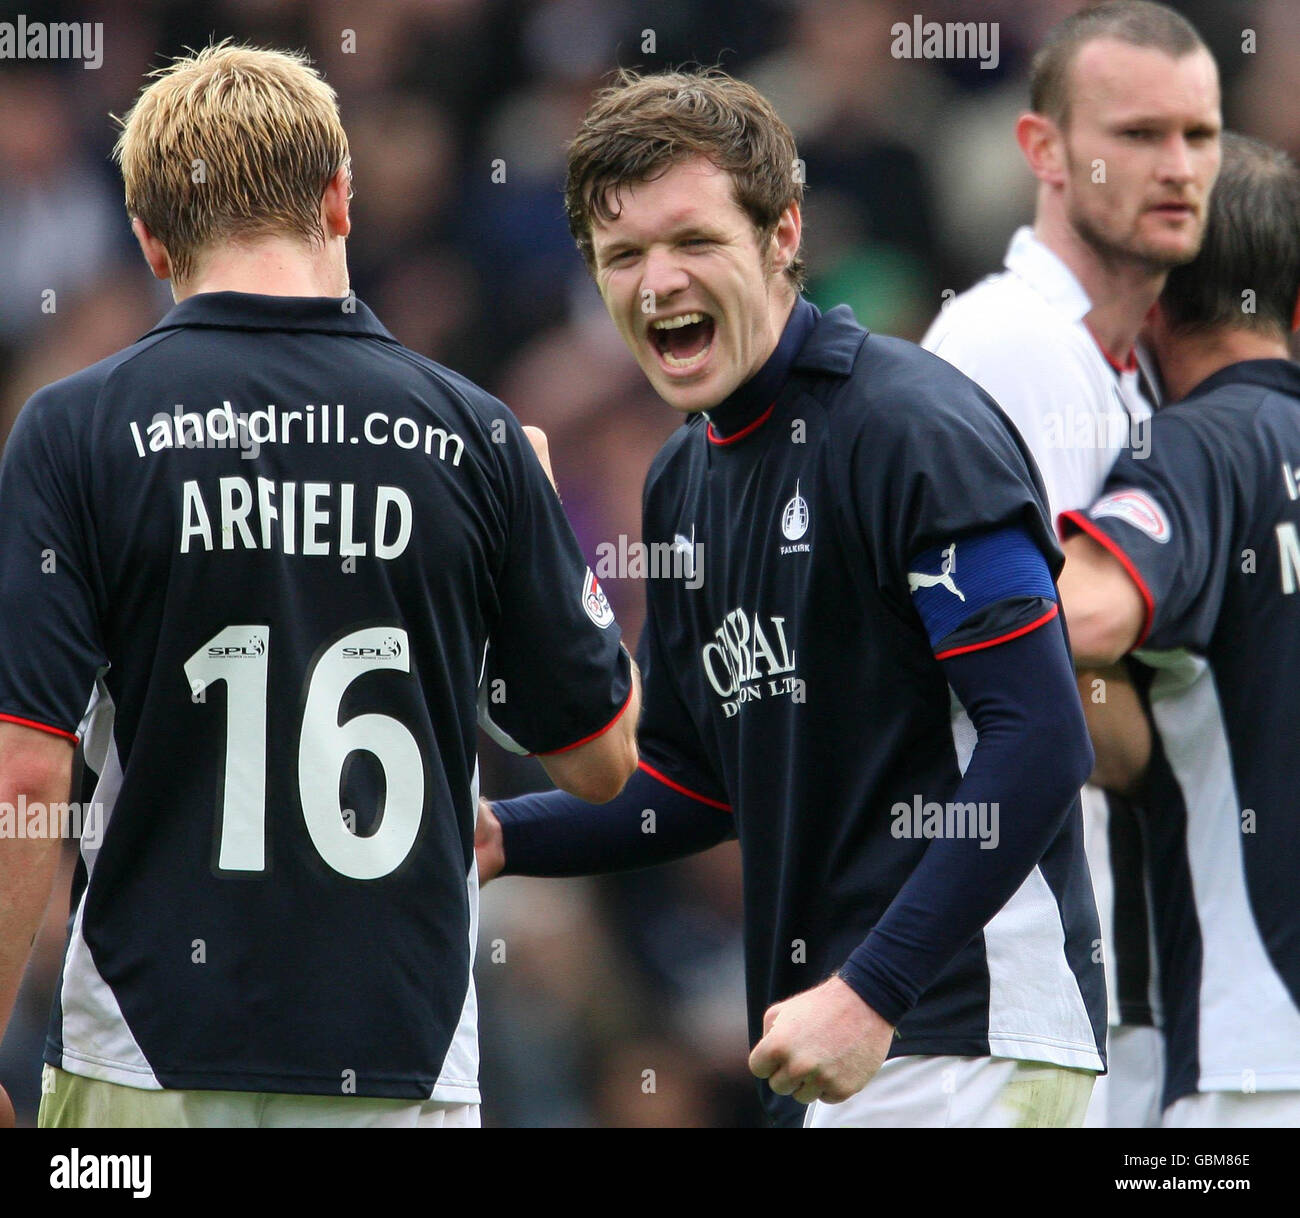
{"points": [[1128, 1096], [69, 1101], [961, 1093], [1235, 1110]]}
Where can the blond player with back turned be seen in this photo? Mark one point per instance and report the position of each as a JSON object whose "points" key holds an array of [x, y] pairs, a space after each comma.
{"points": [[272, 652]]}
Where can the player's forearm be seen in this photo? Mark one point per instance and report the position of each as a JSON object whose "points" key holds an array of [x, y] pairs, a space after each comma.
{"points": [[27, 864], [1118, 726], [598, 770], [27, 870], [1032, 757], [557, 834]]}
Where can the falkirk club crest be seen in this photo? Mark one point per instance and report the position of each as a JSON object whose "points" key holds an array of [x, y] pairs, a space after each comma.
{"points": [[794, 520]]}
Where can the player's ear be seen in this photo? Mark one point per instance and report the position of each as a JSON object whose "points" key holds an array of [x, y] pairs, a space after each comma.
{"points": [[334, 203], [784, 247], [155, 253], [1042, 143]]}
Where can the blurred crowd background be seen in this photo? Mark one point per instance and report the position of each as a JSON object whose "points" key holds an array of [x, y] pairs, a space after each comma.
{"points": [[914, 186]]}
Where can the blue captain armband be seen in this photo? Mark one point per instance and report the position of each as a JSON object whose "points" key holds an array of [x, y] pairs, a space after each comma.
{"points": [[955, 584]]}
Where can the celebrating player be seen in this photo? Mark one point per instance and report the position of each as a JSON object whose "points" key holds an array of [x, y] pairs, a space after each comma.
{"points": [[871, 543], [253, 563], [1195, 552], [1123, 139]]}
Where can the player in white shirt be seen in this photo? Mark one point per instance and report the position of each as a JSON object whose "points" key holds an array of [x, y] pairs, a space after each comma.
{"points": [[1023, 336], [1123, 137]]}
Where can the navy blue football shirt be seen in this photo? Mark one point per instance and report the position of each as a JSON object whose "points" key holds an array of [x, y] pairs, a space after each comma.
{"points": [[1207, 524], [860, 517], [256, 560]]}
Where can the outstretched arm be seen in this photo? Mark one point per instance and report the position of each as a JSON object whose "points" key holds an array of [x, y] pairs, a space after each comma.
{"points": [[653, 820]]}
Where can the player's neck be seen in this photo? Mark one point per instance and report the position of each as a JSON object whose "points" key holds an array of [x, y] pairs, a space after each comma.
{"points": [[1121, 292], [1186, 362], [275, 266]]}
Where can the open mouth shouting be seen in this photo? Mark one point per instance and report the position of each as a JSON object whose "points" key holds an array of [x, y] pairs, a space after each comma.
{"points": [[682, 342]]}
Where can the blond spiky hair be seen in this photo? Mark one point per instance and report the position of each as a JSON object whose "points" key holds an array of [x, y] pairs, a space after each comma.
{"points": [[230, 143]]}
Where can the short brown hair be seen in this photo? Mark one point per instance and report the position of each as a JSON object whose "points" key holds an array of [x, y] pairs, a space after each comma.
{"points": [[1138, 23], [640, 126], [1252, 244], [230, 142]]}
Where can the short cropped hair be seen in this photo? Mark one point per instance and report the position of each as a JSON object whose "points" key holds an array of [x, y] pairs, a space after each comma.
{"points": [[1138, 23], [1247, 274], [640, 126], [230, 143]]}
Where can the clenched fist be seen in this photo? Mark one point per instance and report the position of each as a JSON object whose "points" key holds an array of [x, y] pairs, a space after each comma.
{"points": [[824, 1044]]}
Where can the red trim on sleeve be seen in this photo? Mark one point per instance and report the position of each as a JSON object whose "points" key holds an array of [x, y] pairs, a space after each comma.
{"points": [[1002, 638], [744, 431], [677, 786], [1109, 543], [588, 739], [41, 727]]}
